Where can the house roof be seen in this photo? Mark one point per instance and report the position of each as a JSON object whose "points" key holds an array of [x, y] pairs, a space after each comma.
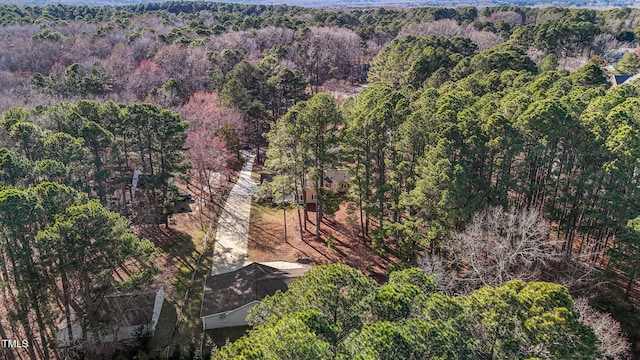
{"points": [[619, 79], [632, 78], [231, 290], [131, 309], [336, 175], [125, 309]]}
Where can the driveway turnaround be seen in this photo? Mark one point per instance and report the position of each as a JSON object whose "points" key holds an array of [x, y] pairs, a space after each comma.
{"points": [[230, 247]]}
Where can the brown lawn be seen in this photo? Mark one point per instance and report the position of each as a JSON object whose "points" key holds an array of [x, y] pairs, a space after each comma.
{"points": [[340, 242]]}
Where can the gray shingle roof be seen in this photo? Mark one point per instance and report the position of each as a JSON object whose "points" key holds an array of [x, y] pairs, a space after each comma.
{"points": [[229, 291]]}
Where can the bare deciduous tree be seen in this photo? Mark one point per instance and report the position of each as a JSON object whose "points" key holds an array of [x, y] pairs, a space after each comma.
{"points": [[146, 75], [120, 63], [485, 39], [510, 17], [205, 110], [612, 342], [498, 246], [196, 75], [606, 46], [576, 274], [208, 155], [445, 27], [239, 40], [144, 46], [271, 36], [450, 28], [436, 266], [327, 52], [378, 40]]}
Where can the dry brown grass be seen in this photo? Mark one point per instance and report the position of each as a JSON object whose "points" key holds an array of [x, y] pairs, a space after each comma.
{"points": [[339, 242]]}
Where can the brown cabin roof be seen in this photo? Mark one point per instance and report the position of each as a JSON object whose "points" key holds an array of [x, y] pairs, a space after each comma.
{"points": [[229, 291], [130, 309], [124, 309]]}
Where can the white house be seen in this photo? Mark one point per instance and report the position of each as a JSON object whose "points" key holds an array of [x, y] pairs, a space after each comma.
{"points": [[130, 314], [228, 297]]}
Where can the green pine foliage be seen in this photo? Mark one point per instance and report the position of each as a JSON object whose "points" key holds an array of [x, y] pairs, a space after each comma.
{"points": [[336, 312], [465, 109], [58, 244], [94, 148]]}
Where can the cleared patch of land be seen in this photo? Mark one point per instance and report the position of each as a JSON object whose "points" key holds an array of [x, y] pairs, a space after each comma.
{"points": [[339, 242]]}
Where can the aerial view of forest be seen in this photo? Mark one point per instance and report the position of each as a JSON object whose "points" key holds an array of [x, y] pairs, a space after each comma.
{"points": [[200, 180], [351, 3]]}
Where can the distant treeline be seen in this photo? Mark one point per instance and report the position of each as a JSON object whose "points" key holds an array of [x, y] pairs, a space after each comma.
{"points": [[226, 17]]}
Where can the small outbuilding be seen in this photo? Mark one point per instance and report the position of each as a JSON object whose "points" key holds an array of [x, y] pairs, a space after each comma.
{"points": [[127, 316]]}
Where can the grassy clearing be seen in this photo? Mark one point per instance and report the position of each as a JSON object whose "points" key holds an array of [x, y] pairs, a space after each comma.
{"points": [[165, 326], [260, 210]]}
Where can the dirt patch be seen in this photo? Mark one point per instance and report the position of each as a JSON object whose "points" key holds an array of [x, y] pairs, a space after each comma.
{"points": [[339, 241]]}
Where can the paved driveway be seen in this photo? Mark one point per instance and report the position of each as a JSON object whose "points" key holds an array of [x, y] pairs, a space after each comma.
{"points": [[230, 246]]}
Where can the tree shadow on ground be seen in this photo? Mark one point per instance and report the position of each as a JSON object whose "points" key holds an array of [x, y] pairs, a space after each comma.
{"points": [[222, 336], [178, 245], [176, 256]]}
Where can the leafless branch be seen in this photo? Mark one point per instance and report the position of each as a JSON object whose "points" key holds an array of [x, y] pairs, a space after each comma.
{"points": [[612, 342]]}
